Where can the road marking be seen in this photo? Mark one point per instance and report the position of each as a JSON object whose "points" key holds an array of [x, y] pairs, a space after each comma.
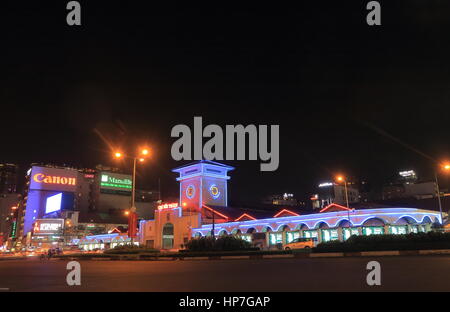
{"points": [[4, 289]]}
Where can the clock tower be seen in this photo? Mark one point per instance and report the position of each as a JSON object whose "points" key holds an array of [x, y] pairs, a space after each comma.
{"points": [[203, 183]]}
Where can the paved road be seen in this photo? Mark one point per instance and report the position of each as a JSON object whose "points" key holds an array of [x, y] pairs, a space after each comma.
{"points": [[420, 273]]}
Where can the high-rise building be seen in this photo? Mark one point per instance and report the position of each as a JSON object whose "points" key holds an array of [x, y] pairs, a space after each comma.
{"points": [[332, 193], [408, 185], [8, 178], [9, 210], [74, 201], [286, 199]]}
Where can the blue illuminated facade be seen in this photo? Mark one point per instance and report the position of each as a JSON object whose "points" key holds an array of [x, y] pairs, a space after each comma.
{"points": [[334, 222], [328, 225], [203, 208]]}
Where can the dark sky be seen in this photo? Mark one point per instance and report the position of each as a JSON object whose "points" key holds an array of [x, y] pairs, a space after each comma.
{"points": [[317, 69]]}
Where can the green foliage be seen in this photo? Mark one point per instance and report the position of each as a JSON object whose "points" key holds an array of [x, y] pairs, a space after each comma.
{"points": [[412, 241], [223, 243]]}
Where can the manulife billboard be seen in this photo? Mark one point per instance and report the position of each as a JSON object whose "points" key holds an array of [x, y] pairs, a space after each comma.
{"points": [[116, 181]]}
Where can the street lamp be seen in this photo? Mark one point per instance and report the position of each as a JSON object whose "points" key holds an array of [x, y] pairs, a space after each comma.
{"points": [[445, 167], [144, 152], [341, 179]]}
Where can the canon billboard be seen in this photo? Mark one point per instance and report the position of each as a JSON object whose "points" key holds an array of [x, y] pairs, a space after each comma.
{"points": [[53, 179]]}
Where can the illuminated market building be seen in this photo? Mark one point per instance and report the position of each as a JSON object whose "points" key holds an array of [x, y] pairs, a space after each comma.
{"points": [[203, 209]]}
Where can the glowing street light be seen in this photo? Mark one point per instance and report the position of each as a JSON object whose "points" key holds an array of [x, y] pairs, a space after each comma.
{"points": [[132, 212], [340, 179], [445, 167]]}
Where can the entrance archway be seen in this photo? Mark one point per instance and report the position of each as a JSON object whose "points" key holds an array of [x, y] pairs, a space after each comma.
{"points": [[167, 236]]}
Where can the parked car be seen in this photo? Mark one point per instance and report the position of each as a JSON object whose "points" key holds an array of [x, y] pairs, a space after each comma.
{"points": [[300, 243]]}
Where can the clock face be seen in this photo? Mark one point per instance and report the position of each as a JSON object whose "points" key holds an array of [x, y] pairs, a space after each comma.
{"points": [[190, 191], [214, 191]]}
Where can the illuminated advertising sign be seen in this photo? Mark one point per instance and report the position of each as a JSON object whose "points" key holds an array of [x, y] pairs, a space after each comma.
{"points": [[407, 173], [116, 181], [53, 203], [48, 204], [168, 206], [48, 226], [14, 229], [53, 179]]}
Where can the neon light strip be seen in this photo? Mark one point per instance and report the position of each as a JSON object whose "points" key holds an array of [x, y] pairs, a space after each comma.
{"points": [[245, 215], [211, 175], [286, 210], [356, 213], [214, 211], [335, 205], [212, 164], [115, 185], [101, 236]]}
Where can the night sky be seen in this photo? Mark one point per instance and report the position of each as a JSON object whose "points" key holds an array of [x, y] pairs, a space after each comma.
{"points": [[364, 101]]}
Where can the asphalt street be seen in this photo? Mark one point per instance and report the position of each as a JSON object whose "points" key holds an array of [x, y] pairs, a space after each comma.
{"points": [[413, 273]]}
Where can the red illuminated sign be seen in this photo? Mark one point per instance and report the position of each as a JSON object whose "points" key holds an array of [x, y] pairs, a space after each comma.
{"points": [[168, 206]]}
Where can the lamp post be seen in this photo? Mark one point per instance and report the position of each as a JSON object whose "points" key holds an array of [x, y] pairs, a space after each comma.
{"points": [[341, 178], [132, 216], [446, 168]]}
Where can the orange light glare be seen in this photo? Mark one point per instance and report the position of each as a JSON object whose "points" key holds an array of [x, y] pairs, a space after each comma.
{"points": [[141, 159], [127, 213], [340, 178], [118, 154], [144, 151], [446, 167]]}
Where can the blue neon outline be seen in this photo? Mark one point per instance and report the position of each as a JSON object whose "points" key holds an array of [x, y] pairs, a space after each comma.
{"points": [[318, 222], [298, 221], [282, 226], [368, 218], [403, 216]]}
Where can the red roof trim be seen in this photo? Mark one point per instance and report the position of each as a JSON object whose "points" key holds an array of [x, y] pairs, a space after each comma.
{"points": [[243, 215], [288, 211], [335, 205], [216, 212]]}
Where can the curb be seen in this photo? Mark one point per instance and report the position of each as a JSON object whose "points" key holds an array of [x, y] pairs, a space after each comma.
{"points": [[300, 255], [327, 255], [12, 258]]}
